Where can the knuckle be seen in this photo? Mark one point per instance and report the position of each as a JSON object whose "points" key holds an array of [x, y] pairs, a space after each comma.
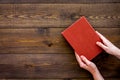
{"points": [[82, 66], [89, 64]]}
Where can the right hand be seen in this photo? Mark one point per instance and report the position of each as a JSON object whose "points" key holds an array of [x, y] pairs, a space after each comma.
{"points": [[108, 46]]}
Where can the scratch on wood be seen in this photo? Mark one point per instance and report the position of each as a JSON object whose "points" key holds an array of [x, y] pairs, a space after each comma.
{"points": [[27, 40]]}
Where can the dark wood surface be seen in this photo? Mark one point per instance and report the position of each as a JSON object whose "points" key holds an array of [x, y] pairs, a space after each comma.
{"points": [[58, 15], [31, 44], [57, 1]]}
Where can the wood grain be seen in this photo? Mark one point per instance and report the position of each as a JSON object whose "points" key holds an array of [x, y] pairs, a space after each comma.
{"points": [[58, 15], [37, 66], [63, 79], [57, 1], [51, 66], [44, 40], [31, 44]]}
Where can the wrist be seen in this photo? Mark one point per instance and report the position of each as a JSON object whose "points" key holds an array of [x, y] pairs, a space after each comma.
{"points": [[96, 71], [97, 75], [116, 52]]}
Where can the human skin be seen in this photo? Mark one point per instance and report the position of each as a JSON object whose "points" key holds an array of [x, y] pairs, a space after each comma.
{"points": [[108, 46], [90, 66]]}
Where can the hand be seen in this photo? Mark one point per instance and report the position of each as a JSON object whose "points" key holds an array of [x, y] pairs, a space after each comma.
{"points": [[108, 46], [86, 64], [90, 66]]}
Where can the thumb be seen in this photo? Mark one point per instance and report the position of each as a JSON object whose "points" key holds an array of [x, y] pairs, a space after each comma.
{"points": [[86, 61]]}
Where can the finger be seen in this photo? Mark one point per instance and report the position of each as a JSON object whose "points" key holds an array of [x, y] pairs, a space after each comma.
{"points": [[104, 39], [78, 58], [81, 63], [101, 36], [86, 61], [102, 45]]}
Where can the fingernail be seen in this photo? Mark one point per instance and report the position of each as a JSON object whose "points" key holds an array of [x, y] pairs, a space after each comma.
{"points": [[96, 31], [82, 56], [97, 42]]}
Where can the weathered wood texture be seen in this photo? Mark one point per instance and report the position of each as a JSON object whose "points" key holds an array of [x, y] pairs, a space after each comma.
{"points": [[58, 1], [44, 40], [58, 15], [61, 79], [31, 44], [45, 66]]}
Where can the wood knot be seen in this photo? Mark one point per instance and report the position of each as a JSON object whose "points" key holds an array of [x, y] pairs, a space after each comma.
{"points": [[48, 43], [74, 16], [29, 65]]}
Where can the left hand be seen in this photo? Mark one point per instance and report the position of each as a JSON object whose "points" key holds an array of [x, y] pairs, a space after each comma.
{"points": [[90, 66], [86, 64]]}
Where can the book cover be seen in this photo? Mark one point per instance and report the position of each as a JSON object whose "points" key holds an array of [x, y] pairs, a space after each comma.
{"points": [[82, 37]]}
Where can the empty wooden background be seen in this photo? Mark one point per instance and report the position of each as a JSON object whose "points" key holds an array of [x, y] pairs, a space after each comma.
{"points": [[31, 44]]}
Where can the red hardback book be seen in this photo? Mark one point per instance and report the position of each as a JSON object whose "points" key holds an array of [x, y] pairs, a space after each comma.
{"points": [[82, 37]]}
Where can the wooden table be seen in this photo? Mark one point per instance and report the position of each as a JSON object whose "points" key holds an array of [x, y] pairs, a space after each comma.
{"points": [[31, 44]]}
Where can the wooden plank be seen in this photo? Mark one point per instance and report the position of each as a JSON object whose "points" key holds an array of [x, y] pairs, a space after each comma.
{"points": [[37, 66], [44, 40], [58, 15], [58, 1], [33, 79], [52, 66]]}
